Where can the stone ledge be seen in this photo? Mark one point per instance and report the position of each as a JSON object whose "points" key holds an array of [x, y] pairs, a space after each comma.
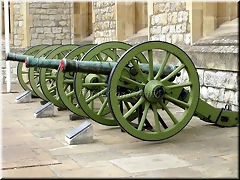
{"points": [[227, 40]]}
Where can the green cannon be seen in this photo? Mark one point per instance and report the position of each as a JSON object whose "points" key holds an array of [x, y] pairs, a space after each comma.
{"points": [[15, 57], [32, 80], [137, 91], [96, 67], [103, 68]]}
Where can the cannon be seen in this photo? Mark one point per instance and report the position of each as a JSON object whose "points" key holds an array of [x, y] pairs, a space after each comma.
{"points": [[144, 93], [105, 49], [29, 77], [22, 73], [34, 74]]}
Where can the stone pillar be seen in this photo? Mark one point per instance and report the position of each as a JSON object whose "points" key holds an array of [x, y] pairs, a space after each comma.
{"points": [[195, 10], [82, 21], [119, 9], [209, 18], [141, 17], [27, 23], [226, 11], [150, 13]]}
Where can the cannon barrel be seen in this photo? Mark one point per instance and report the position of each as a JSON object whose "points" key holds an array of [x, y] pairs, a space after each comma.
{"points": [[106, 67], [42, 62], [96, 67], [15, 57]]}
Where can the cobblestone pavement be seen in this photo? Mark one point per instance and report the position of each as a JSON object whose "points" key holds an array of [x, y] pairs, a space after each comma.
{"points": [[34, 147]]}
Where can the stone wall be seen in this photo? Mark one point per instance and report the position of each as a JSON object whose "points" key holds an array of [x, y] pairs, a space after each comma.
{"points": [[104, 26], [216, 60], [51, 23], [170, 22], [18, 33]]}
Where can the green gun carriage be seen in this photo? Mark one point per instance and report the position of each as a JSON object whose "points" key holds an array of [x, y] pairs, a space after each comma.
{"points": [[140, 93]]}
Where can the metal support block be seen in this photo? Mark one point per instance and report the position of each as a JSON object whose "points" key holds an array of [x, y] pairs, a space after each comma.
{"points": [[47, 110], [74, 117], [25, 97], [83, 134]]}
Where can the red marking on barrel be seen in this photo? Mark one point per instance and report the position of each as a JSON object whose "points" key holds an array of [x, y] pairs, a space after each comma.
{"points": [[26, 60], [61, 65]]}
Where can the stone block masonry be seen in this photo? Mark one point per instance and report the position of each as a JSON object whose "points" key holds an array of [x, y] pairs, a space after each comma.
{"points": [[51, 23], [170, 22], [104, 26]]}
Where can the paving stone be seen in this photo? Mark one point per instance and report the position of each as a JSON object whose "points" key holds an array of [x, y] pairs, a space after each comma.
{"points": [[77, 149], [149, 163], [70, 165], [180, 172], [44, 157], [32, 172], [109, 139], [218, 170], [96, 172], [14, 153], [20, 163], [98, 163], [211, 151], [45, 143], [85, 158], [50, 133]]}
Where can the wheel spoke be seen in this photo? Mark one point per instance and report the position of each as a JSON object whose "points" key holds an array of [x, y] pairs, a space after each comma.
{"points": [[175, 121], [50, 77], [127, 105], [70, 93], [163, 64], [115, 54], [84, 93], [150, 61], [140, 101], [146, 106], [155, 113], [105, 58], [179, 68], [178, 85], [176, 101], [133, 94], [138, 70], [51, 88], [24, 72], [92, 102], [132, 81], [68, 81], [99, 57], [102, 107], [96, 95]]}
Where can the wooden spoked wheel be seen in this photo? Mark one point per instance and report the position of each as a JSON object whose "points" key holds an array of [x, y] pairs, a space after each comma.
{"points": [[151, 90]]}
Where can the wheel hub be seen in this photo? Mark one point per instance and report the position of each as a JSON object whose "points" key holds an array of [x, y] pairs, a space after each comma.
{"points": [[154, 91], [92, 78]]}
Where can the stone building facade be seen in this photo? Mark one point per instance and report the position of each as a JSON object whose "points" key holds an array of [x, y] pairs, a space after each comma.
{"points": [[182, 23]]}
